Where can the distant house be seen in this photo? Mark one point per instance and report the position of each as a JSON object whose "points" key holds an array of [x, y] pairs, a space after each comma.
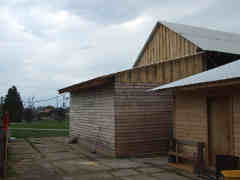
{"points": [[48, 109], [207, 110], [115, 115]]}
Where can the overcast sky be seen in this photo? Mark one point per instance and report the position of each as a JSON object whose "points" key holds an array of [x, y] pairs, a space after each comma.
{"points": [[49, 44]]}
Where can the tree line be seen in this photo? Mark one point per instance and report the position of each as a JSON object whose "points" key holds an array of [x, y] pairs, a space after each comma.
{"points": [[13, 104]]}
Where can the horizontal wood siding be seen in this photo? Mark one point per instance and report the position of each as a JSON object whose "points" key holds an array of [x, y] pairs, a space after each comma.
{"points": [[165, 45], [164, 72], [142, 119], [236, 125], [190, 121], [92, 118], [191, 117]]}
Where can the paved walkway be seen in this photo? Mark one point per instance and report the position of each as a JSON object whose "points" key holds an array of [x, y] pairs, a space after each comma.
{"points": [[54, 159]]}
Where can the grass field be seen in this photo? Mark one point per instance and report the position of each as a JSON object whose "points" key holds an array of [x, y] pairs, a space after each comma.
{"points": [[43, 124], [38, 129]]}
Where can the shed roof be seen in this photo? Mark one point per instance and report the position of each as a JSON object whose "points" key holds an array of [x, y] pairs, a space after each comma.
{"points": [[89, 83], [205, 39], [225, 72]]}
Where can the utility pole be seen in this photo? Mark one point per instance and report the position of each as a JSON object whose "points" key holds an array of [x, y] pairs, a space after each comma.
{"points": [[32, 104], [63, 105], [57, 101], [1, 104]]}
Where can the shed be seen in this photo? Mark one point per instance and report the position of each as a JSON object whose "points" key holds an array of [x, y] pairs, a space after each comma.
{"points": [[207, 109], [114, 114]]}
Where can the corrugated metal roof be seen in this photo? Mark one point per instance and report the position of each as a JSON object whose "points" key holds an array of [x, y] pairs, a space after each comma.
{"points": [[225, 72], [208, 39]]}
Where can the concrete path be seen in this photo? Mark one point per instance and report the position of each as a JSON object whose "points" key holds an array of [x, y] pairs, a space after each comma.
{"points": [[54, 159]]}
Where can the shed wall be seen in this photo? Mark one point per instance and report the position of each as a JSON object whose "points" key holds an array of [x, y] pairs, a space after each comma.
{"points": [[191, 118], [236, 125], [92, 118], [142, 119]]}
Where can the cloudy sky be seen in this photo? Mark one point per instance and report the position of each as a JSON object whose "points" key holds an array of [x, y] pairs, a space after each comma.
{"points": [[49, 44]]}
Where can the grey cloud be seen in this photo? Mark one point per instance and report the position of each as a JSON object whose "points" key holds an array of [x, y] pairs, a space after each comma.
{"points": [[40, 54], [222, 15]]}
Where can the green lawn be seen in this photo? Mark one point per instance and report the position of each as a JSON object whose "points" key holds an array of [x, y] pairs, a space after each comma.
{"points": [[43, 124], [33, 133]]}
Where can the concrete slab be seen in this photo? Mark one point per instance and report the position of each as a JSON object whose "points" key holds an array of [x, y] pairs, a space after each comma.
{"points": [[54, 149], [80, 166], [54, 159], [20, 157], [24, 148], [62, 156], [121, 163], [140, 177], [95, 176], [150, 170], [169, 168], [157, 161], [125, 172], [169, 176]]}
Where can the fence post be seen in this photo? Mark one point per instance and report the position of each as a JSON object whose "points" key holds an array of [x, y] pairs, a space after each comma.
{"points": [[2, 154], [5, 152]]}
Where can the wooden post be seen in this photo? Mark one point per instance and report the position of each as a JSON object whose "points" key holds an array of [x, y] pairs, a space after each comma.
{"points": [[177, 151], [6, 154], [1, 154]]}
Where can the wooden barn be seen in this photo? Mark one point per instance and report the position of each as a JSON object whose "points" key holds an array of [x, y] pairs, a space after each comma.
{"points": [[207, 111], [114, 115]]}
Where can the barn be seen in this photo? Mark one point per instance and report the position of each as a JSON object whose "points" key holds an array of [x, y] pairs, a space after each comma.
{"points": [[115, 115], [207, 110]]}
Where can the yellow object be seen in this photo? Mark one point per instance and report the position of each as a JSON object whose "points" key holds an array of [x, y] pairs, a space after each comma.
{"points": [[231, 174]]}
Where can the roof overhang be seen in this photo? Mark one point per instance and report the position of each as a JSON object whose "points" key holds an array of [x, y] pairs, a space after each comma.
{"points": [[192, 87], [89, 84]]}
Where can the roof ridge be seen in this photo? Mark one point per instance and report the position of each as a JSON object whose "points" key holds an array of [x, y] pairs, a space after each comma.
{"points": [[198, 27]]}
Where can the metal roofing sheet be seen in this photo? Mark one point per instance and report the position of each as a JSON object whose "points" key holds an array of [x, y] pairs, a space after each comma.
{"points": [[208, 39], [225, 72]]}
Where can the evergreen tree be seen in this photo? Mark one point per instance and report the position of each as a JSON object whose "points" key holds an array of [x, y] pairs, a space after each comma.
{"points": [[1, 106], [13, 105]]}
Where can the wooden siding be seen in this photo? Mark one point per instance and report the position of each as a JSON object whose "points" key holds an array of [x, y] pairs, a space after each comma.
{"points": [[236, 125], [164, 45], [165, 72], [190, 121], [191, 117], [142, 119], [92, 118]]}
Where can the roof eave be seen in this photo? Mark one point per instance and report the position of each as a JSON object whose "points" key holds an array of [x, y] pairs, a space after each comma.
{"points": [[88, 84], [218, 83]]}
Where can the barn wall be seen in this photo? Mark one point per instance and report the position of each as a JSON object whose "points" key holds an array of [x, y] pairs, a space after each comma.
{"points": [[92, 118], [165, 72], [142, 119], [165, 45]]}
